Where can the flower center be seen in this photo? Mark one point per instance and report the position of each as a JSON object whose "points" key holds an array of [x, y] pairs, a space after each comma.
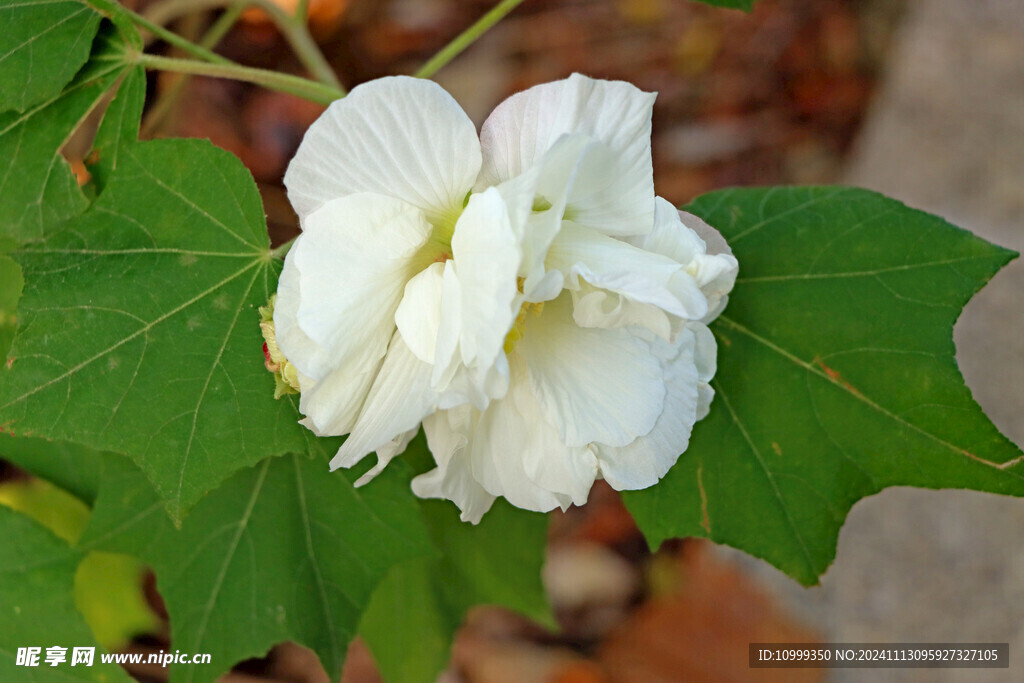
{"points": [[516, 333]]}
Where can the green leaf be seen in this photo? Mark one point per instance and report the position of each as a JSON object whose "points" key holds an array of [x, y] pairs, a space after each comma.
{"points": [[496, 562], [409, 625], [283, 551], [139, 330], [37, 572], [414, 613], [72, 467], [10, 291], [108, 586], [836, 375], [42, 46], [119, 127], [37, 187]]}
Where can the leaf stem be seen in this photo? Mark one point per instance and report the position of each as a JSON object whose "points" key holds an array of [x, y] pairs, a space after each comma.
{"points": [[466, 38], [160, 32], [293, 27], [296, 31], [165, 103], [282, 250], [293, 85]]}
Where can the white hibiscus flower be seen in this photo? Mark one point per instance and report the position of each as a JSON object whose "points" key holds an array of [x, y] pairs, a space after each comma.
{"points": [[524, 296]]}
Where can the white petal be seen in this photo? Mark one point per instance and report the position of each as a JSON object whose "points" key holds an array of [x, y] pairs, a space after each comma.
{"points": [[612, 264], [305, 354], [507, 450], [687, 239], [547, 182], [507, 447], [615, 188], [593, 307], [609, 195], [399, 136], [332, 404], [525, 126], [452, 479], [715, 275], [594, 385], [646, 460], [398, 401], [419, 314], [486, 253], [713, 239], [569, 471], [479, 303], [388, 452], [672, 237], [354, 259], [705, 357]]}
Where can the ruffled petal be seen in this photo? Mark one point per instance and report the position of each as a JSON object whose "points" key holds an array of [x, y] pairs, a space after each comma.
{"points": [[452, 479], [593, 307], [593, 385], [646, 460], [616, 190], [332, 404], [536, 201], [455, 382], [516, 453], [705, 357], [306, 355], [688, 240], [398, 136], [397, 402], [356, 255], [419, 314], [608, 263], [486, 255], [479, 301], [671, 236]]}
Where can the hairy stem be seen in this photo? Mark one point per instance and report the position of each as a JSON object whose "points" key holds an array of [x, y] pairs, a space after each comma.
{"points": [[466, 38], [108, 8], [296, 31], [293, 85], [293, 28], [165, 103]]}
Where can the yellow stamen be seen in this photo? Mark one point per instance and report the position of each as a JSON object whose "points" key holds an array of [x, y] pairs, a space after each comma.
{"points": [[516, 333]]}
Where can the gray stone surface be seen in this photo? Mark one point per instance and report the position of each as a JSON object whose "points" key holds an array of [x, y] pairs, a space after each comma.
{"points": [[946, 135]]}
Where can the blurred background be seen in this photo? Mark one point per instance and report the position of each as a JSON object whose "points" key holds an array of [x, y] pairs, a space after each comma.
{"points": [[923, 100]]}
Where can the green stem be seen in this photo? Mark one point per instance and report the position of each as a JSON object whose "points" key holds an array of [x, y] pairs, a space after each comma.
{"points": [[165, 103], [166, 11], [293, 85], [162, 33], [296, 31], [466, 38], [282, 250], [293, 28], [220, 28]]}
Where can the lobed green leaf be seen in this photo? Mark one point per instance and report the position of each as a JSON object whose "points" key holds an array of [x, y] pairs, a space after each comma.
{"points": [[38, 190], [43, 45], [37, 574], [282, 551], [836, 375], [139, 330], [413, 616]]}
